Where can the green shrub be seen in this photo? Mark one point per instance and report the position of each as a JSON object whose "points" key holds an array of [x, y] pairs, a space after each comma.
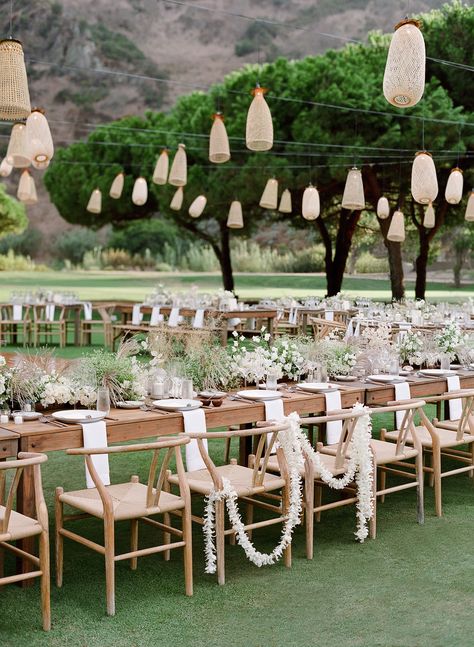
{"points": [[116, 259], [305, 260], [152, 234], [369, 264], [11, 262], [73, 244], [199, 258], [25, 244]]}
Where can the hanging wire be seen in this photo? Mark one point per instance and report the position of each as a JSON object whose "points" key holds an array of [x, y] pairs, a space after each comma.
{"points": [[11, 18]]}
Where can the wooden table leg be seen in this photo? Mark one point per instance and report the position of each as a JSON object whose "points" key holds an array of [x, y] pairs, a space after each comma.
{"points": [[77, 327], [245, 446], [224, 332], [270, 323], [25, 499]]}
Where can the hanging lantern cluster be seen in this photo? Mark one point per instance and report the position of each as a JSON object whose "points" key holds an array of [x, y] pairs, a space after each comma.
{"points": [[469, 216], [424, 182], [235, 219], [259, 129], [179, 169], [429, 218], [396, 231], [310, 208], [160, 174], [95, 202], [285, 205], [27, 189], [269, 199], [404, 77], [177, 199], [353, 197], [219, 149], [197, 206], [383, 208], [454, 186], [14, 93]]}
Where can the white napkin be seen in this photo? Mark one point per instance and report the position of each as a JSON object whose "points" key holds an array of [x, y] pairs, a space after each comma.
{"points": [[333, 429], [49, 311], [198, 319], [455, 406], [357, 329], [136, 314], [293, 316], [235, 321], [17, 312], [155, 317], [87, 310], [94, 435], [349, 329], [274, 411], [402, 392], [194, 421], [173, 319], [329, 315]]}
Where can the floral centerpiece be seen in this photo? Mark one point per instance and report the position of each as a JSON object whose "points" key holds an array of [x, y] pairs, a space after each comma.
{"points": [[449, 338], [411, 347], [338, 356]]}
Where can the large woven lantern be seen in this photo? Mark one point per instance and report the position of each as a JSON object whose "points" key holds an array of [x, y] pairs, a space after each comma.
{"points": [[285, 202], [197, 206], [383, 208], [18, 154], [41, 166], [235, 219], [219, 149], [429, 219], [116, 187], [259, 129], [95, 202], [396, 231], [310, 208], [14, 93], [269, 199], [470, 208], [160, 174], [179, 169], [24, 186], [353, 197], [454, 186], [404, 77], [5, 168], [140, 192], [39, 137], [177, 199], [424, 183]]}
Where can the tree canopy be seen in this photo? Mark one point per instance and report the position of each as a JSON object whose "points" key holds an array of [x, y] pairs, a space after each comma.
{"points": [[13, 218]]}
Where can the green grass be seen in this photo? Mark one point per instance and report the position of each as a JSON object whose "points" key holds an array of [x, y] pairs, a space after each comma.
{"points": [[411, 587], [136, 285]]}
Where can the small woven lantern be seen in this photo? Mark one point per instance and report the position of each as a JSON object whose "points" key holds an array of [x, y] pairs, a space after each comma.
{"points": [[310, 208], [404, 77], [179, 168], [424, 183], [454, 186], [285, 202], [259, 130], [177, 200], [140, 192], [429, 219], [353, 197], [32, 197], [95, 202], [116, 187], [396, 231], [41, 166], [470, 208], [383, 208], [197, 206], [38, 134], [269, 199], [5, 168], [160, 174], [235, 219], [219, 149], [14, 93], [24, 186], [18, 154]]}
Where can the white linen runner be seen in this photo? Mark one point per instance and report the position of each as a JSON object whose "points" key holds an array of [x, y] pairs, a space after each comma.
{"points": [[155, 317], [87, 305], [402, 392], [173, 319], [136, 314], [94, 435], [455, 406], [49, 311], [194, 421], [198, 321], [274, 411], [329, 315], [334, 428], [17, 312]]}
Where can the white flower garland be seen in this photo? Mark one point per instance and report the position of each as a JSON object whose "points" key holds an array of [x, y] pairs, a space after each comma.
{"points": [[296, 446]]}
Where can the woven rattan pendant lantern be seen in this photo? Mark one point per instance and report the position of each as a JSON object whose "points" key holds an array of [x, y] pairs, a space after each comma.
{"points": [[259, 130], [116, 187], [235, 219], [32, 197], [160, 174], [285, 202], [41, 166], [269, 199], [469, 216], [219, 149], [39, 137], [5, 168], [95, 202], [353, 197], [424, 183], [24, 186], [310, 207], [140, 192], [18, 151], [197, 206], [177, 200], [454, 186], [429, 219], [396, 231], [179, 168], [383, 208], [404, 78], [14, 93]]}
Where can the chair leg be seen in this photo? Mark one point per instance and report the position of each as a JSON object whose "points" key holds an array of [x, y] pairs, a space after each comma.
{"points": [[248, 518], [220, 543], [167, 520], [309, 517], [59, 538], [420, 505], [318, 501], [109, 542], [471, 473], [286, 505], [45, 579], [436, 464], [188, 549], [133, 542]]}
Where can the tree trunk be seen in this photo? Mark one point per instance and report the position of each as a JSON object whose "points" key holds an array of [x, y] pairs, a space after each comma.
{"points": [[395, 263], [224, 257], [421, 264]]}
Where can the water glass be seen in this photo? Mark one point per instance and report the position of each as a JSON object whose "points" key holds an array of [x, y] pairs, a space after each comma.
{"points": [[272, 380], [445, 362], [103, 400], [187, 389]]}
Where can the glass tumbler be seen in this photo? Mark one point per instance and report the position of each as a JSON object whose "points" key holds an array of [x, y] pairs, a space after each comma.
{"points": [[103, 400]]}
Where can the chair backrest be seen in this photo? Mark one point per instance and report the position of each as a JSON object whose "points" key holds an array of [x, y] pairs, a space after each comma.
{"points": [[47, 313], [407, 428], [25, 460], [322, 327], [466, 420]]}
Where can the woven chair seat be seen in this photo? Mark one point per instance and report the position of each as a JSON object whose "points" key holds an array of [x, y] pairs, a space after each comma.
{"points": [[328, 460], [19, 526], [446, 437], [384, 452]]}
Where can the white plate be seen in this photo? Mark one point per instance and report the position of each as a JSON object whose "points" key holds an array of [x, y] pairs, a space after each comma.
{"points": [[79, 416], [437, 372], [256, 394], [345, 378], [129, 404], [317, 387], [177, 404], [27, 415], [385, 379]]}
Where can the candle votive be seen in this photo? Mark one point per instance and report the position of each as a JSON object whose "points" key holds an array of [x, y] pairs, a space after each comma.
{"points": [[4, 419], [18, 420]]}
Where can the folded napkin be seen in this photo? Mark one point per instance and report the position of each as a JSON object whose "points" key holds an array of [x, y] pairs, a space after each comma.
{"points": [[136, 314], [198, 319], [274, 412], [173, 319], [293, 316], [49, 311], [329, 315], [455, 406], [87, 305], [333, 429], [94, 435], [17, 312], [357, 329], [349, 329], [402, 392], [155, 317], [235, 321], [194, 421]]}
